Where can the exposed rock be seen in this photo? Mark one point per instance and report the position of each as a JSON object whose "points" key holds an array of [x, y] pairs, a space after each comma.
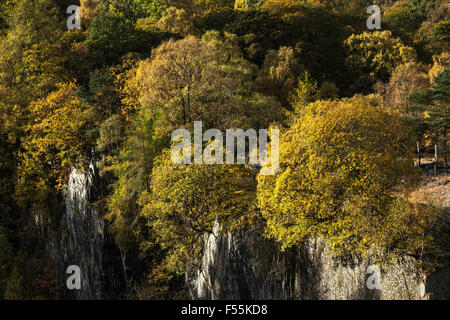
{"points": [[81, 239], [246, 266]]}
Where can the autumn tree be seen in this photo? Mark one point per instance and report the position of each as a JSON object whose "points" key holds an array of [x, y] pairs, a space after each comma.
{"points": [[402, 20], [56, 140], [130, 156], [248, 4], [24, 45], [431, 37], [176, 21], [5, 9], [277, 76], [185, 201], [405, 80], [440, 64], [126, 86], [340, 165], [135, 9], [373, 56], [190, 79], [304, 93]]}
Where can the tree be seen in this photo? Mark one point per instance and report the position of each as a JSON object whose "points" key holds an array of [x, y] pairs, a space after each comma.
{"points": [[374, 56], [277, 76], [102, 92], [340, 165], [176, 21], [442, 31], [431, 36], [56, 141], [182, 80], [191, 79], [303, 94], [126, 87], [135, 9], [405, 80], [130, 159], [433, 110], [402, 20], [113, 37], [440, 64], [185, 201], [5, 8], [248, 4]]}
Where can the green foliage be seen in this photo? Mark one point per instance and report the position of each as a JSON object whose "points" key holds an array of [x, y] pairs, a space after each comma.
{"points": [[111, 37], [135, 9], [132, 166], [431, 112], [102, 92], [442, 31], [402, 20], [5, 8], [419, 8]]}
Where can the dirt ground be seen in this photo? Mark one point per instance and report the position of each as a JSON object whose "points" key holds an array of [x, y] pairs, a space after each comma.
{"points": [[437, 188]]}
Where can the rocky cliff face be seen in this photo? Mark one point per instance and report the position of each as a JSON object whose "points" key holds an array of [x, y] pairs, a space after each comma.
{"points": [[80, 238], [245, 266], [242, 265]]}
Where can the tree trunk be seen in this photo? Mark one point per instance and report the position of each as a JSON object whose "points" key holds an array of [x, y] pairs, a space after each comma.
{"points": [[445, 151], [435, 159], [418, 151]]}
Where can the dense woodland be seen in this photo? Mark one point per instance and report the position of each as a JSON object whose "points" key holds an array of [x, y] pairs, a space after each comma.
{"points": [[355, 108]]}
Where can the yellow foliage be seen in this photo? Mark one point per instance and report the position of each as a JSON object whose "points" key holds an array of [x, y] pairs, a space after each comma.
{"points": [[339, 165], [440, 64], [176, 21], [185, 201], [56, 141]]}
